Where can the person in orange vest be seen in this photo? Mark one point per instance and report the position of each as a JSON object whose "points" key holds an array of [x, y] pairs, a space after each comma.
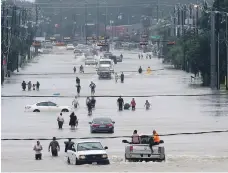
{"points": [[156, 137]]}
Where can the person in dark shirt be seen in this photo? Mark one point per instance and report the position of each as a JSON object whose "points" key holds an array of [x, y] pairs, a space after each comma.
{"points": [[120, 103], [77, 81], [68, 145], [122, 77], [54, 145], [78, 89]]}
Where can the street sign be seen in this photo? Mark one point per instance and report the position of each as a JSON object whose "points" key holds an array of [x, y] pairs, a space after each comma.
{"points": [[66, 38], [155, 37], [102, 44], [52, 38]]}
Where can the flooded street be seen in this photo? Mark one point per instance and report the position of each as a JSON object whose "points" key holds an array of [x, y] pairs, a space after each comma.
{"points": [[169, 114]]}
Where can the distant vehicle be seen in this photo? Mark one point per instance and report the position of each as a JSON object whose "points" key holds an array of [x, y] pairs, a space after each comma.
{"points": [[114, 58], [103, 62], [46, 106], [102, 125], [90, 61], [142, 151], [107, 54], [119, 59], [48, 45], [70, 47], [87, 152]]}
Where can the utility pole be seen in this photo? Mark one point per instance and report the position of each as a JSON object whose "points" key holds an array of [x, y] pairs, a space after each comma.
{"points": [[226, 52], [190, 16], [174, 21], [197, 18], [157, 10], [86, 22], [217, 30], [98, 20], [183, 32], [213, 74], [178, 21], [6, 53], [2, 42], [106, 13]]}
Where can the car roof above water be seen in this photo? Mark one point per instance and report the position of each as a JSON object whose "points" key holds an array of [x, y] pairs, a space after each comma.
{"points": [[102, 119], [86, 141]]}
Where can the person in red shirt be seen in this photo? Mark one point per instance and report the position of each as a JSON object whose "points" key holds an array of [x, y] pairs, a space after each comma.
{"points": [[133, 104]]}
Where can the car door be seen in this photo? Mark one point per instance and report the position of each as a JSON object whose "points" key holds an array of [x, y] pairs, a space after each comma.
{"points": [[42, 106], [52, 106]]}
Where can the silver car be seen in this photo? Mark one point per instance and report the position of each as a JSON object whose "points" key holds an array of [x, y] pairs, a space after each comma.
{"points": [[90, 61], [102, 125]]}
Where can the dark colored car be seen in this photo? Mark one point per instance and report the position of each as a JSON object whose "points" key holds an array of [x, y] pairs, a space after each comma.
{"points": [[102, 125], [113, 57]]}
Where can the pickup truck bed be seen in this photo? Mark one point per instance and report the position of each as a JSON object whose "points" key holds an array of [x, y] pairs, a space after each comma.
{"points": [[142, 152]]}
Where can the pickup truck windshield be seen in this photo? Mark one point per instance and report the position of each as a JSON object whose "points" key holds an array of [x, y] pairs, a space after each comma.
{"points": [[104, 69], [89, 146], [105, 62]]}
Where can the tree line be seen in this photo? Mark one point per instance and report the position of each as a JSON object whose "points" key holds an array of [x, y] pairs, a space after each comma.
{"points": [[191, 51], [18, 31]]}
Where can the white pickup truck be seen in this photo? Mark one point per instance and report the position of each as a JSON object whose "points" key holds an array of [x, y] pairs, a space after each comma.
{"points": [[142, 151], [87, 152]]}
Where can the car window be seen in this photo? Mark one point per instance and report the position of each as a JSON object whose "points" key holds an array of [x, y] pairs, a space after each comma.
{"points": [[51, 104], [102, 121], [42, 104]]}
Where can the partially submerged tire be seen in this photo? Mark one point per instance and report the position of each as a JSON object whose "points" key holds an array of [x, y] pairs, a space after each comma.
{"points": [[36, 110]]}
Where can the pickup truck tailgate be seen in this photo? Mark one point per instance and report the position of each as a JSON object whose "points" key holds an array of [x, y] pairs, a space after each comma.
{"points": [[144, 149]]}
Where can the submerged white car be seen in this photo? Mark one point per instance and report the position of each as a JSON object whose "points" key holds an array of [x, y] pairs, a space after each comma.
{"points": [[47, 106], [70, 47], [87, 152]]}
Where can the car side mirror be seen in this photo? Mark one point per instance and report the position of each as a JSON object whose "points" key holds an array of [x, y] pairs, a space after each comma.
{"points": [[113, 122], [125, 141], [90, 122], [105, 147]]}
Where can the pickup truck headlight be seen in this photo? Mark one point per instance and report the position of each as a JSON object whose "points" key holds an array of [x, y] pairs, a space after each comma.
{"points": [[82, 157], [104, 156]]}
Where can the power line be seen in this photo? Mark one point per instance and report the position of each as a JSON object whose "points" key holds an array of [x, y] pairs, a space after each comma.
{"points": [[47, 74], [115, 137], [132, 96]]}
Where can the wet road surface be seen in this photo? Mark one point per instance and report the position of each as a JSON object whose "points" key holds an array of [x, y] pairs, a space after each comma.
{"points": [[207, 152]]}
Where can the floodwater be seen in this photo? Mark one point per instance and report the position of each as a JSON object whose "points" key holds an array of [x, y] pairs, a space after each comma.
{"points": [[169, 114]]}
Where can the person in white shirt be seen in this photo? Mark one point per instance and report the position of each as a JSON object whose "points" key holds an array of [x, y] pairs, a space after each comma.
{"points": [[75, 102], [60, 120], [38, 148]]}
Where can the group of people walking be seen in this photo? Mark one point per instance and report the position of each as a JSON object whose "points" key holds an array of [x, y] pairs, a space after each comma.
{"points": [[121, 77], [132, 104], [92, 86], [147, 56], [30, 86], [72, 123], [81, 69], [148, 70]]}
